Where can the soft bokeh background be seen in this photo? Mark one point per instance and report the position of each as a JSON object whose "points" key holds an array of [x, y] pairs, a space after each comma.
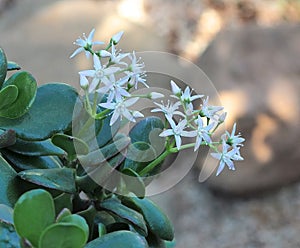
{"points": [[250, 49]]}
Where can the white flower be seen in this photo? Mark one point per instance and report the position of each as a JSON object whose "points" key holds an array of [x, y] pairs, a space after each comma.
{"points": [[227, 157], [114, 88], [175, 89], [115, 56], [117, 37], [169, 110], [135, 71], [98, 73], [85, 43], [202, 133], [121, 109], [177, 131], [222, 117], [209, 111], [186, 96], [232, 139], [155, 95]]}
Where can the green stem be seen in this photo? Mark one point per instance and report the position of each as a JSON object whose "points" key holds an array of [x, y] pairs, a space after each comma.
{"points": [[86, 126], [154, 163]]}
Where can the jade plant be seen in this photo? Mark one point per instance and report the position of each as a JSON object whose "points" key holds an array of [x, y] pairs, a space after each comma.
{"points": [[71, 176]]}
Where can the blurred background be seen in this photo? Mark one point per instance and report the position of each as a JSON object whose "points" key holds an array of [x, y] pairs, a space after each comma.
{"points": [[250, 49]]}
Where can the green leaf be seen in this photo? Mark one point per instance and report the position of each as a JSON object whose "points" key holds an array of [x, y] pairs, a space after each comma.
{"points": [[8, 236], [124, 239], [72, 145], [33, 213], [36, 148], [27, 163], [27, 88], [63, 213], [101, 229], [89, 215], [6, 214], [11, 66], [9, 191], [78, 221], [3, 66], [7, 138], [63, 235], [134, 183], [99, 156], [62, 179], [126, 213], [8, 95], [157, 221], [62, 201], [50, 113]]}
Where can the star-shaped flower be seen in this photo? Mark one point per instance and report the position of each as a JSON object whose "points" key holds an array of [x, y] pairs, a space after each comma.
{"points": [[232, 139], [227, 157], [202, 133], [169, 109], [177, 131], [85, 44], [120, 109]]}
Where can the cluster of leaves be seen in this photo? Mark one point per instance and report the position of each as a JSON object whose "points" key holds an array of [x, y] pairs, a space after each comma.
{"points": [[49, 163]]}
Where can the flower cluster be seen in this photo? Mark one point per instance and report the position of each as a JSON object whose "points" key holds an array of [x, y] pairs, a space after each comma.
{"points": [[115, 77], [193, 124], [112, 76]]}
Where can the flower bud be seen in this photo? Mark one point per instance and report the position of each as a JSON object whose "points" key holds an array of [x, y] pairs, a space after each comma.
{"points": [[117, 37], [104, 53], [84, 83], [155, 95], [175, 89]]}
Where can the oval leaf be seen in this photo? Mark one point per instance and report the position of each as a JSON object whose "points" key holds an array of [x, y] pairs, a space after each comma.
{"points": [[63, 235], [118, 239], [34, 208], [62, 179], [3, 66], [8, 95], [78, 221], [157, 221], [126, 213], [36, 148], [9, 192], [27, 87], [72, 145], [6, 214], [50, 113], [28, 163]]}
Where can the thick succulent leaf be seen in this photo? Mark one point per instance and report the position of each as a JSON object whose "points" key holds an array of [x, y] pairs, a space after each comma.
{"points": [[36, 148], [50, 113], [72, 145], [8, 95], [3, 66], [126, 213], [89, 216], [96, 133], [9, 188], [63, 235], [62, 179], [6, 214], [148, 130], [27, 88], [12, 66], [104, 217], [62, 201], [124, 239], [62, 214], [158, 222], [101, 229], [78, 221], [100, 174], [27, 162], [7, 138], [34, 209], [99, 156], [134, 183], [8, 236]]}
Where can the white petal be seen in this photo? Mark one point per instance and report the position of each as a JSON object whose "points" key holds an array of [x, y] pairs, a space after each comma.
{"points": [[178, 141], [97, 63], [84, 83], [114, 118], [77, 51], [87, 73], [108, 105], [221, 167], [188, 133], [131, 101], [94, 84], [166, 133], [91, 36], [116, 38], [175, 89], [104, 53], [156, 95]]}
